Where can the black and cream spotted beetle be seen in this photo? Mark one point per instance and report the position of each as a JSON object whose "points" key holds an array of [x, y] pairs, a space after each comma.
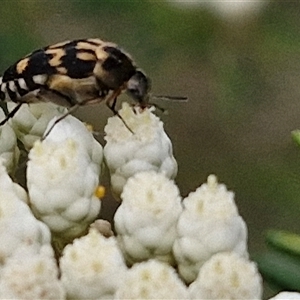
{"points": [[73, 74]]}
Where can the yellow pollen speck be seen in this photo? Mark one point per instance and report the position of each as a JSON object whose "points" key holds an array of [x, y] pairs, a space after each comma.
{"points": [[38, 148], [144, 292], [63, 162], [145, 275], [150, 196], [218, 268], [73, 255], [39, 268], [235, 282], [199, 207], [89, 127], [164, 274], [100, 191], [97, 266]]}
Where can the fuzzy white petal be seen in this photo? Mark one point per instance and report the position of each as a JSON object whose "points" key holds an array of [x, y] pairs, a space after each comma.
{"points": [[227, 276], [209, 224], [236, 10], [62, 177], [9, 150], [148, 148], [286, 296], [30, 121], [18, 226], [149, 211], [92, 267], [151, 280], [31, 274]]}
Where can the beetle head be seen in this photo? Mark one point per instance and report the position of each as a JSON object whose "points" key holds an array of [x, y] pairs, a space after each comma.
{"points": [[138, 87]]}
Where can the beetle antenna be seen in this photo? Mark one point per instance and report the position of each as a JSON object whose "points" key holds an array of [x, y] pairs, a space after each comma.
{"points": [[169, 98], [165, 98]]}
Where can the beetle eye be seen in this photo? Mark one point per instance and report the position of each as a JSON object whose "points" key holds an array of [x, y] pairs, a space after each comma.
{"points": [[133, 92], [138, 86], [111, 63]]}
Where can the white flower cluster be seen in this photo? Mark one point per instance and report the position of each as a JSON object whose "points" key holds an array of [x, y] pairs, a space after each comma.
{"points": [[146, 220], [229, 10], [31, 274], [18, 226], [27, 266], [227, 276], [287, 296], [151, 280], [209, 224], [63, 176], [30, 121], [146, 148], [92, 267], [161, 244], [9, 150]]}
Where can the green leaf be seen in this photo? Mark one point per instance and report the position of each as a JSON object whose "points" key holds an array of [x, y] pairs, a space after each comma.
{"points": [[280, 269], [284, 240], [296, 136]]}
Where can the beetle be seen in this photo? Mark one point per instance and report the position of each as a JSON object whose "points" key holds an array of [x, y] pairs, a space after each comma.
{"points": [[73, 74]]}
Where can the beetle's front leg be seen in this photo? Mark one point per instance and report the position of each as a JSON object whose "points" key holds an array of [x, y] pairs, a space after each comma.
{"points": [[111, 101], [112, 107]]}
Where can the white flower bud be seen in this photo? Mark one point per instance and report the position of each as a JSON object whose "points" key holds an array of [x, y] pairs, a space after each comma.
{"points": [[92, 267], [63, 176], [146, 220], [286, 296], [210, 223], [146, 148], [237, 10], [18, 226], [30, 121], [227, 276], [9, 150], [31, 274], [151, 280], [8, 186]]}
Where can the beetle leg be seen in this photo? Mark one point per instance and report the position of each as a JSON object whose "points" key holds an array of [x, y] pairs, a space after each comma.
{"points": [[111, 104], [71, 110], [11, 114], [71, 98], [111, 101]]}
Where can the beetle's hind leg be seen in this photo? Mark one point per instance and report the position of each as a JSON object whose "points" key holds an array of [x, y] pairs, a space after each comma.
{"points": [[71, 110], [11, 114], [59, 89]]}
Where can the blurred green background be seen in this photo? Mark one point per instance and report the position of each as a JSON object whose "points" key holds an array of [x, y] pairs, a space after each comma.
{"points": [[238, 65]]}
